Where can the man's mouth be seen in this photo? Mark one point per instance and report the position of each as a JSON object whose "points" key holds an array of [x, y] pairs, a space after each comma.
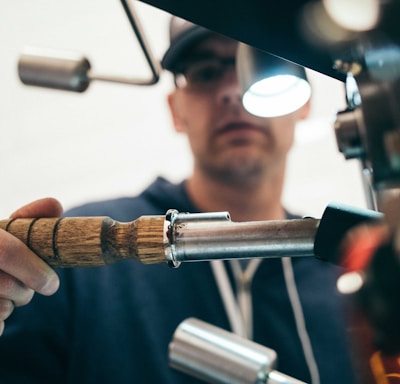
{"points": [[240, 128]]}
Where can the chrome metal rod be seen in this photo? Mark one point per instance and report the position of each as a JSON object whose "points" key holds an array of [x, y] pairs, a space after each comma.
{"points": [[211, 238]]}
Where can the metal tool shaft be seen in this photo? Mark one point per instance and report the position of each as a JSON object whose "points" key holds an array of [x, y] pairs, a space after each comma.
{"points": [[174, 238], [198, 238]]}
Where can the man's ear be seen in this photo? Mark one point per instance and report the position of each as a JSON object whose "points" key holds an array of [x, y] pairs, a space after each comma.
{"points": [[176, 118]]}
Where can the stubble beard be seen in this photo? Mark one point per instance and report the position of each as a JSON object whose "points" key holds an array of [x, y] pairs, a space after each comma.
{"points": [[242, 173]]}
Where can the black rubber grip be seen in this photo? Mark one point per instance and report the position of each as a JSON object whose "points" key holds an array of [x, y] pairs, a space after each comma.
{"points": [[336, 220]]}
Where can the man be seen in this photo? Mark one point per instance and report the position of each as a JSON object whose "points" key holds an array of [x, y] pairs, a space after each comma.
{"points": [[114, 324]]}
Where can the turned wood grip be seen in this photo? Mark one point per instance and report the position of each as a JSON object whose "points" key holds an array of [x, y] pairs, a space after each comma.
{"points": [[90, 241]]}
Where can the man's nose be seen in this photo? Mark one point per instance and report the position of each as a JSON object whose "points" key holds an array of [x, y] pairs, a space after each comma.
{"points": [[229, 91]]}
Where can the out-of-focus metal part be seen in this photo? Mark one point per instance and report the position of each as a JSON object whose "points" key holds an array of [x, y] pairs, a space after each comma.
{"points": [[370, 130], [349, 142], [348, 134], [381, 116], [154, 65], [68, 71], [217, 356], [71, 71], [213, 236]]}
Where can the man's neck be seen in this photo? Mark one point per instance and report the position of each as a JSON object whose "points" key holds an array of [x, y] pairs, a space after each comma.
{"points": [[261, 201]]}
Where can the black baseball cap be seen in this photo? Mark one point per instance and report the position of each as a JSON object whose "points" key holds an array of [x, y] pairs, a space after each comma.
{"points": [[182, 36]]}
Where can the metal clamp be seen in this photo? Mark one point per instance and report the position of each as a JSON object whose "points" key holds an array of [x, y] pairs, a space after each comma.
{"points": [[177, 223]]}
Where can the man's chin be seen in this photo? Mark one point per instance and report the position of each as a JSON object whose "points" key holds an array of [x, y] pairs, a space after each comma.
{"points": [[244, 155], [239, 170]]}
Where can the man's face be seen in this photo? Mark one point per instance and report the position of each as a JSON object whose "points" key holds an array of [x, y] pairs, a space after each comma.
{"points": [[226, 141]]}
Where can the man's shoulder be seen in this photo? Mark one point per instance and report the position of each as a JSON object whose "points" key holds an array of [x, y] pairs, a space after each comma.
{"points": [[109, 207], [157, 198]]}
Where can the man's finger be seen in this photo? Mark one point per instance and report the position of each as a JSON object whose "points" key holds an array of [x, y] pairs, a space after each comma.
{"points": [[17, 260], [47, 207]]}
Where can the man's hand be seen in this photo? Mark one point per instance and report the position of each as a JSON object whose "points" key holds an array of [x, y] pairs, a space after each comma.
{"points": [[21, 271]]}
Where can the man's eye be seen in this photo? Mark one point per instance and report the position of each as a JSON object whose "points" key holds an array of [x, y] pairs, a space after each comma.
{"points": [[205, 73]]}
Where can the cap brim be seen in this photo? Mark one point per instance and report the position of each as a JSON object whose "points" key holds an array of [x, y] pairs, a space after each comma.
{"points": [[177, 49]]}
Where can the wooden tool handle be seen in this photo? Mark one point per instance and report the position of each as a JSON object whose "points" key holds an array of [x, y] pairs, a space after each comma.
{"points": [[90, 241]]}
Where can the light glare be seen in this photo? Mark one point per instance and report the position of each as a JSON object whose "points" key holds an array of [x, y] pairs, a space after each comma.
{"points": [[349, 283], [276, 96], [354, 15]]}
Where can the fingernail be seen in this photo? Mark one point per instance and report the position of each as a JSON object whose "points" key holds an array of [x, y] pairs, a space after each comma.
{"points": [[51, 286]]}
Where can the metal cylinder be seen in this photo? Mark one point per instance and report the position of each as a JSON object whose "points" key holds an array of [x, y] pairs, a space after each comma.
{"points": [[347, 133], [217, 356], [202, 238], [66, 70]]}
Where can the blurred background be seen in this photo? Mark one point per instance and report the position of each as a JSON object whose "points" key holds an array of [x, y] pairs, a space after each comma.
{"points": [[113, 140]]}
